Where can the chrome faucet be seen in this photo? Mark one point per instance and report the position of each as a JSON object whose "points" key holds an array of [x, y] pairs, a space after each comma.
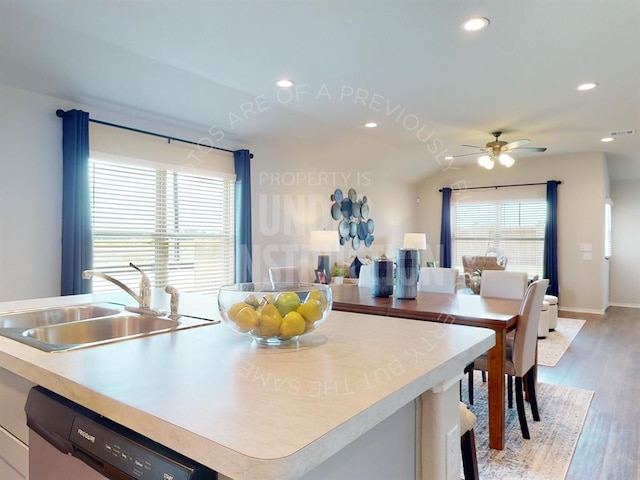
{"points": [[175, 300], [145, 287]]}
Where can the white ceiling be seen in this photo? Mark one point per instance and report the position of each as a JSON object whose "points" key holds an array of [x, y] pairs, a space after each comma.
{"points": [[405, 64]]}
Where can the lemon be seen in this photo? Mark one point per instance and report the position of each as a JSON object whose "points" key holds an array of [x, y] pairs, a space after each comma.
{"points": [[270, 321], [292, 324], [318, 295], [246, 319], [235, 308], [252, 300], [311, 310]]}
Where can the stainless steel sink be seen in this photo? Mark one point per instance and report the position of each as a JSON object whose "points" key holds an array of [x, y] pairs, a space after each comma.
{"points": [[100, 329], [77, 326], [52, 316]]}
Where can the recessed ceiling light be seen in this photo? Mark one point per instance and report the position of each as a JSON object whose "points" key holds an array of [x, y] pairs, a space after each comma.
{"points": [[371, 124], [587, 86], [284, 83], [475, 24], [606, 139]]}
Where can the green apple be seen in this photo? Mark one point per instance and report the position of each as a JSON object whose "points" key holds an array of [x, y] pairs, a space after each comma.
{"points": [[287, 302]]}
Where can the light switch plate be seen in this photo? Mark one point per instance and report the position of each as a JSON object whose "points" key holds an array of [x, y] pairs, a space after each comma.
{"points": [[586, 247]]}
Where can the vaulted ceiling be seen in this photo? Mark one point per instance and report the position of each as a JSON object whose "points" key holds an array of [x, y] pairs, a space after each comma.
{"points": [[405, 64]]}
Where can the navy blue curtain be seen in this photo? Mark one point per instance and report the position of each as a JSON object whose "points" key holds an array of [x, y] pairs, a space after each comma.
{"points": [[244, 251], [550, 267], [77, 242], [445, 229]]}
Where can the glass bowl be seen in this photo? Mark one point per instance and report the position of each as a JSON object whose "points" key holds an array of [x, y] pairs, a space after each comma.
{"points": [[274, 313]]}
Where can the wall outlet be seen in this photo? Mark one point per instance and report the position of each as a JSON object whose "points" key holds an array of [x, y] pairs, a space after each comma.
{"points": [[453, 454]]}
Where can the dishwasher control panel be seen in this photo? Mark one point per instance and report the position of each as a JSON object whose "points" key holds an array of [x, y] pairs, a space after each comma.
{"points": [[124, 454], [110, 448]]}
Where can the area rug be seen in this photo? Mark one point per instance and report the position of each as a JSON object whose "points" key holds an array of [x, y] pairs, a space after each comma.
{"points": [[547, 455], [551, 349]]}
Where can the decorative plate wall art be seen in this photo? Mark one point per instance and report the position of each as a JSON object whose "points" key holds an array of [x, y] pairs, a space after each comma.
{"points": [[352, 214]]}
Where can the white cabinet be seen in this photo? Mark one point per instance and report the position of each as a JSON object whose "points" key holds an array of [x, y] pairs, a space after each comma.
{"points": [[14, 435], [14, 457]]}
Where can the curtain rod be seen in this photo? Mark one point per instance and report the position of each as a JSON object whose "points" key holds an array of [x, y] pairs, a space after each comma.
{"points": [[504, 186], [61, 112]]}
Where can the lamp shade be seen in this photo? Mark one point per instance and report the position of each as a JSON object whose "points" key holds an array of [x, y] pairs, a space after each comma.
{"points": [[324, 241], [417, 241]]}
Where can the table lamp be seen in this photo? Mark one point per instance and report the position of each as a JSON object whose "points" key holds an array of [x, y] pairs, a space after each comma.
{"points": [[416, 241], [324, 241]]}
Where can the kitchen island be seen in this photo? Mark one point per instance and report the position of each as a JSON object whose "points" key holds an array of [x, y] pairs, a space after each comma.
{"points": [[250, 412]]}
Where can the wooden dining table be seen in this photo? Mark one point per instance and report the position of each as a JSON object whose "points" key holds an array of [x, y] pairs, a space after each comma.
{"points": [[498, 314]]}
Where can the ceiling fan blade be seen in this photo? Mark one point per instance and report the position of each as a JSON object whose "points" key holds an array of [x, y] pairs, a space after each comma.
{"points": [[474, 146], [516, 144], [467, 154], [531, 149]]}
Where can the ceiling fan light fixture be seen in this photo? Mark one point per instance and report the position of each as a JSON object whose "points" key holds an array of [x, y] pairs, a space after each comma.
{"points": [[506, 160], [486, 161], [475, 24]]}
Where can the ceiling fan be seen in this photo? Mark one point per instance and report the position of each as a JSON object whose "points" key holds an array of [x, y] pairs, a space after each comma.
{"points": [[499, 150]]}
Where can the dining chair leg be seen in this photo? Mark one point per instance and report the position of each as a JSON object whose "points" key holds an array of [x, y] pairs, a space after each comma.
{"points": [[533, 400], [469, 457], [520, 405], [484, 376], [469, 371], [510, 391]]}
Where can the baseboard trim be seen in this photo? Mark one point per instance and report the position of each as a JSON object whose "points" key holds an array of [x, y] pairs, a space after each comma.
{"points": [[581, 310], [627, 305]]}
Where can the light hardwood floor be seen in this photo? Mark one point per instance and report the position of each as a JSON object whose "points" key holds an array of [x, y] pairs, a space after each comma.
{"points": [[605, 357]]}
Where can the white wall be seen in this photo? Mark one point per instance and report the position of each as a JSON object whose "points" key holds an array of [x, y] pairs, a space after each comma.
{"points": [[580, 215], [291, 197], [625, 260], [285, 211], [30, 195], [31, 186]]}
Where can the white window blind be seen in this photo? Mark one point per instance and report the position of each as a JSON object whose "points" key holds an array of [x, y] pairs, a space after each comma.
{"points": [[178, 228], [514, 227]]}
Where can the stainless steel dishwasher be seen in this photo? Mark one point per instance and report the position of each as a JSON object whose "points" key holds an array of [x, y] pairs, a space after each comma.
{"points": [[70, 442]]}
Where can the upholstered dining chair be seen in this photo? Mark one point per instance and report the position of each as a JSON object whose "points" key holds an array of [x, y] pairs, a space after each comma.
{"points": [[521, 354], [473, 263], [438, 280], [499, 284], [365, 276], [503, 284], [468, 443], [284, 275]]}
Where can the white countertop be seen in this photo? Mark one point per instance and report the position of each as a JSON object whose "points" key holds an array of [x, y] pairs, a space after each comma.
{"points": [[247, 411]]}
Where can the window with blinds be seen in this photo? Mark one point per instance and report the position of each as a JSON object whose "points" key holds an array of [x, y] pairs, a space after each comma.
{"points": [[514, 227], [178, 228]]}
